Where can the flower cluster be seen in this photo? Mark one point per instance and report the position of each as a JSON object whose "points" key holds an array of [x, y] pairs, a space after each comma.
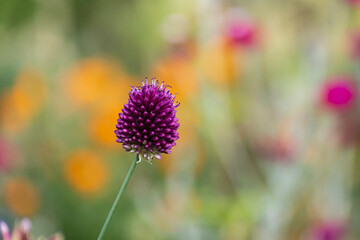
{"points": [[147, 124], [22, 231]]}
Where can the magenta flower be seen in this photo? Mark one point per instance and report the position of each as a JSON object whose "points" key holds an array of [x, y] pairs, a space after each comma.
{"points": [[329, 231], [242, 33], [147, 124], [339, 93]]}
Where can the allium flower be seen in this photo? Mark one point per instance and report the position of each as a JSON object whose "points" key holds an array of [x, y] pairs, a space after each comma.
{"points": [[339, 93], [21, 231], [147, 124]]}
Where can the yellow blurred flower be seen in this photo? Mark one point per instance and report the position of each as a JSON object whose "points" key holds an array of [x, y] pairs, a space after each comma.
{"points": [[95, 79], [86, 172], [217, 62], [22, 101], [21, 196]]}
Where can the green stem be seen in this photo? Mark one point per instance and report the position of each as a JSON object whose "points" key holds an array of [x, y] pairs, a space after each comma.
{"points": [[116, 202]]}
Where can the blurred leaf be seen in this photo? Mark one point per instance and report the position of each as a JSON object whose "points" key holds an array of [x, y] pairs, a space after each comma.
{"points": [[14, 13]]}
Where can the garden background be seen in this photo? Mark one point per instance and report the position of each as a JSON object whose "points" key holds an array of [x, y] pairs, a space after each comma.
{"points": [[269, 114]]}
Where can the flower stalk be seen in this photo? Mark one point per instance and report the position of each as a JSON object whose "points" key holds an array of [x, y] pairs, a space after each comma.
{"points": [[117, 199]]}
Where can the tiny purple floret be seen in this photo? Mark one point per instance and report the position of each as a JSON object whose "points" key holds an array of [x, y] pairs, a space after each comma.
{"points": [[147, 124]]}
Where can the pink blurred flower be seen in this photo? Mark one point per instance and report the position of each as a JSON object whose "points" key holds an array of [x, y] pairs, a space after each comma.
{"points": [[9, 155], [329, 231], [21, 231], [242, 33], [339, 93], [353, 2], [355, 45], [278, 148], [349, 130], [240, 27], [5, 231]]}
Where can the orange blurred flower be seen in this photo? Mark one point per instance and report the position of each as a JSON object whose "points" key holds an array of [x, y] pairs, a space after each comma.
{"points": [[178, 71], [22, 102], [86, 172], [103, 86], [21, 196], [166, 165], [95, 79], [217, 62], [102, 124]]}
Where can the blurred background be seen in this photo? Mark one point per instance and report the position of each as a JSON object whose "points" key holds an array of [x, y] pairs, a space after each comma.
{"points": [[270, 121]]}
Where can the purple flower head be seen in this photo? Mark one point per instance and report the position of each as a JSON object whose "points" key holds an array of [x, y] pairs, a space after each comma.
{"points": [[148, 123]]}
